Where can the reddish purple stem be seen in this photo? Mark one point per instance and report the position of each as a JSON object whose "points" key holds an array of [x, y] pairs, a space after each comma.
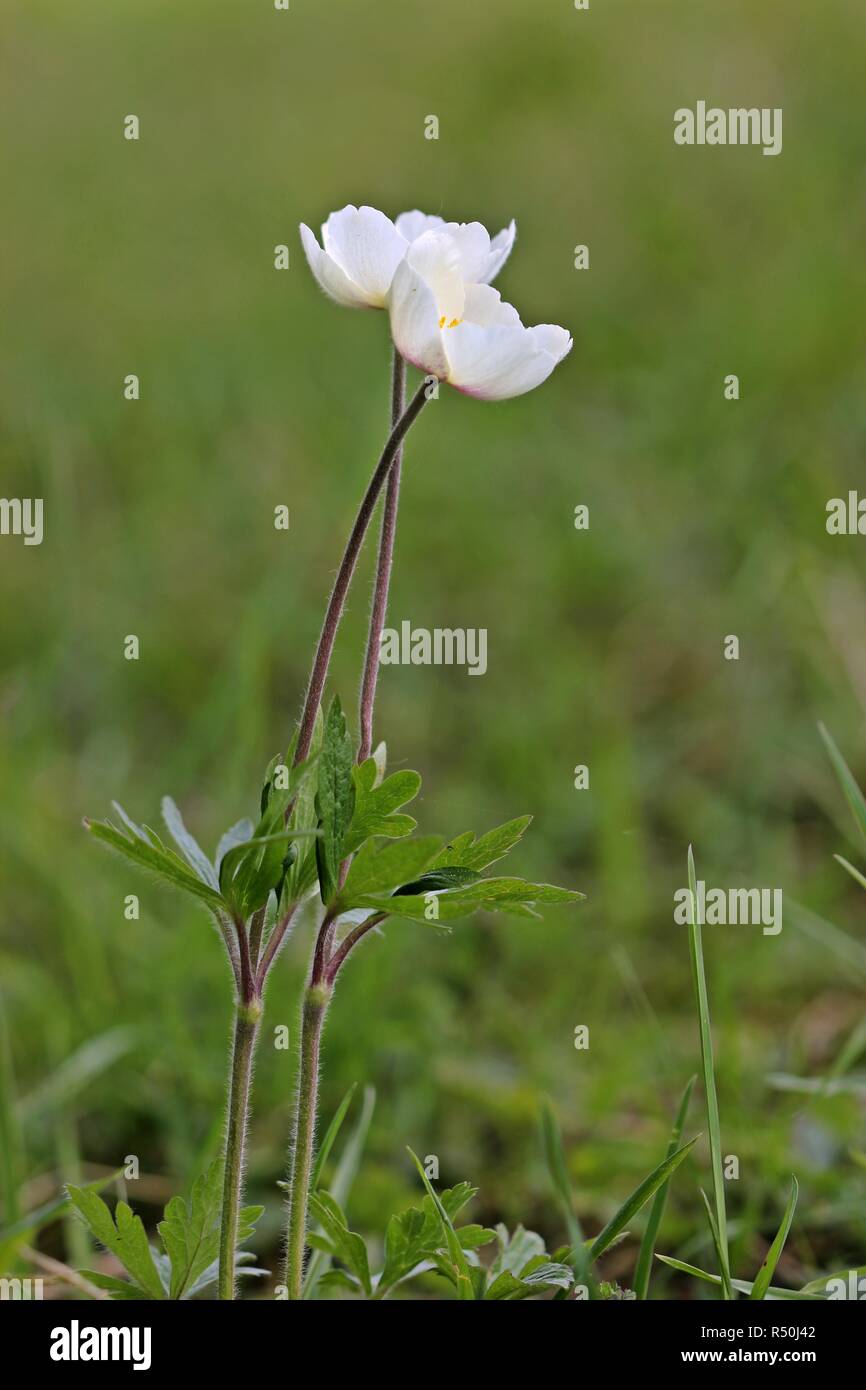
{"points": [[383, 568], [337, 601]]}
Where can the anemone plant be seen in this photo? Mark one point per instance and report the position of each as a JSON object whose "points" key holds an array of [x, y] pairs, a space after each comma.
{"points": [[331, 826]]}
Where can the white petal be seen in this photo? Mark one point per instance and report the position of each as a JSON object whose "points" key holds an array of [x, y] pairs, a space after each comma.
{"points": [[553, 339], [500, 250], [436, 258], [415, 321], [473, 247], [332, 279], [411, 225], [503, 360], [367, 246], [485, 306]]}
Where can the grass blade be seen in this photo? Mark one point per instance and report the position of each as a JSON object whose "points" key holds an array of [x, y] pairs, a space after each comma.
{"points": [[742, 1285], [641, 1195], [40, 1217], [465, 1291], [332, 1131], [855, 873], [647, 1245], [819, 1286], [555, 1159], [11, 1139], [709, 1077], [341, 1187], [767, 1270], [714, 1230], [853, 794]]}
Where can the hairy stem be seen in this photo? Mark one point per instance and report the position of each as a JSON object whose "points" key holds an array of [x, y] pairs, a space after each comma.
{"points": [[383, 567], [337, 600], [257, 926], [351, 940], [316, 1000], [275, 943], [246, 1029]]}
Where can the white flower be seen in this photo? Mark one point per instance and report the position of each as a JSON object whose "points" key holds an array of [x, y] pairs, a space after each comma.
{"points": [[481, 259], [362, 248], [460, 330]]}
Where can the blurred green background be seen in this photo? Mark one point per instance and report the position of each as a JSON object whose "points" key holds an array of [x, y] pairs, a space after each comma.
{"points": [[605, 647]]}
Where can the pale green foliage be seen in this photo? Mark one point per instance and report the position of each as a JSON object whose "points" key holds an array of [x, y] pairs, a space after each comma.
{"points": [[189, 1233]]}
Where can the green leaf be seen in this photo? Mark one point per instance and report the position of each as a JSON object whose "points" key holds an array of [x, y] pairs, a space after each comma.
{"points": [[473, 1236], [190, 1234], [188, 846], [380, 867], [124, 1235], [456, 1263], [437, 881], [147, 851], [335, 799], [283, 782], [375, 805], [515, 1250], [699, 981], [301, 875], [242, 1268], [380, 758], [853, 794], [647, 1246], [237, 834], [523, 1268], [346, 1246], [252, 869], [768, 1268], [413, 1237], [633, 1203], [539, 1276], [118, 1288], [339, 1279], [467, 852], [513, 896]]}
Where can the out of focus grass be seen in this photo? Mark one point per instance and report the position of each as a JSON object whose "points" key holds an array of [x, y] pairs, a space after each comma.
{"points": [[707, 518]]}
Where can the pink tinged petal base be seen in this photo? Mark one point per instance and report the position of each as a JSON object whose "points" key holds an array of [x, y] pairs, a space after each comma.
{"points": [[503, 360]]}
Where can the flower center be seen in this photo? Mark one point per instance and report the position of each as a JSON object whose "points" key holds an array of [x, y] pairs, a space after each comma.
{"points": [[443, 322]]}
